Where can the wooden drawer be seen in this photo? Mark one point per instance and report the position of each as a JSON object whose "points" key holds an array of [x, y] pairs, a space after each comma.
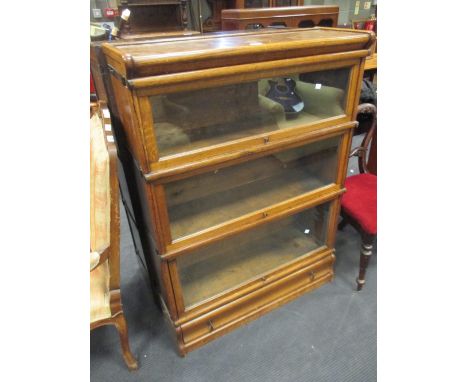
{"points": [[209, 326]]}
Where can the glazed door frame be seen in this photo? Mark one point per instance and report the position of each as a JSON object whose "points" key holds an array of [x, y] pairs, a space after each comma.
{"points": [[169, 251], [179, 246], [275, 275], [331, 193], [173, 165]]}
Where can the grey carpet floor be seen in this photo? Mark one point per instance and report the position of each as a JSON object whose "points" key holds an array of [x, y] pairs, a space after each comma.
{"points": [[328, 335]]}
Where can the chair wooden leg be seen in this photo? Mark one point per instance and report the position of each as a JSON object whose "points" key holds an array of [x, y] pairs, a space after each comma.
{"points": [[121, 325], [366, 253]]}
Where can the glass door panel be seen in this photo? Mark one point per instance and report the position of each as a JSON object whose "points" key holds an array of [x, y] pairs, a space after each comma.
{"points": [[205, 200], [197, 119], [229, 263]]}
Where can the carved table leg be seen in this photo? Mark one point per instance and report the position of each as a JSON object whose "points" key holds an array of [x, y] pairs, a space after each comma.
{"points": [[121, 325], [366, 253]]}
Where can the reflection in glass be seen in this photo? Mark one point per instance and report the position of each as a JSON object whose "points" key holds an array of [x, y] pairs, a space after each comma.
{"points": [[285, 3], [205, 200], [227, 264], [196, 119], [256, 3]]}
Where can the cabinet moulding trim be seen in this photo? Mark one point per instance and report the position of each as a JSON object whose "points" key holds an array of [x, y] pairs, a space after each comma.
{"points": [[227, 75], [235, 296], [219, 160], [277, 211]]}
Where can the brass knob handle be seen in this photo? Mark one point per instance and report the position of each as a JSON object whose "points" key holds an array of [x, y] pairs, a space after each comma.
{"points": [[265, 214], [312, 275], [210, 325], [266, 140]]}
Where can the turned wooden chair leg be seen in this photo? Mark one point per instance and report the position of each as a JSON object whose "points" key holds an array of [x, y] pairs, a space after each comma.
{"points": [[121, 325], [366, 252]]}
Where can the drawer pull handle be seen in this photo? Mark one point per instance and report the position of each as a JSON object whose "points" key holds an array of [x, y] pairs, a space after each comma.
{"points": [[265, 214], [312, 275], [266, 140], [210, 325]]}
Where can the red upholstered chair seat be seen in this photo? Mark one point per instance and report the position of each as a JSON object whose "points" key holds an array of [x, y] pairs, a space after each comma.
{"points": [[360, 201]]}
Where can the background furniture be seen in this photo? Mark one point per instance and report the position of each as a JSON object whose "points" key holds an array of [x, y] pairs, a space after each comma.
{"points": [[359, 203], [365, 24], [292, 17], [106, 304], [266, 3], [149, 16], [239, 198], [371, 62], [213, 23]]}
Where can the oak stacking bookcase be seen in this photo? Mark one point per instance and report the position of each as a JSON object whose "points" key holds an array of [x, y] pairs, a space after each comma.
{"points": [[237, 146]]}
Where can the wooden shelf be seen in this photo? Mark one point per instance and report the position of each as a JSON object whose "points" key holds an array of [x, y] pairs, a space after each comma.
{"points": [[228, 264], [210, 199]]}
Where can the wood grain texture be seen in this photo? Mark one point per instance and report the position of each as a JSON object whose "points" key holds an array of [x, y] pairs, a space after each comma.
{"points": [[248, 287], [156, 58], [209, 326], [204, 201], [226, 265], [248, 221], [371, 62], [230, 73], [243, 150], [201, 199]]}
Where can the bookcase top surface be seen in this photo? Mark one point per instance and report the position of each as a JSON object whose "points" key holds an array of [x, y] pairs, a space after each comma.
{"points": [[222, 49]]}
